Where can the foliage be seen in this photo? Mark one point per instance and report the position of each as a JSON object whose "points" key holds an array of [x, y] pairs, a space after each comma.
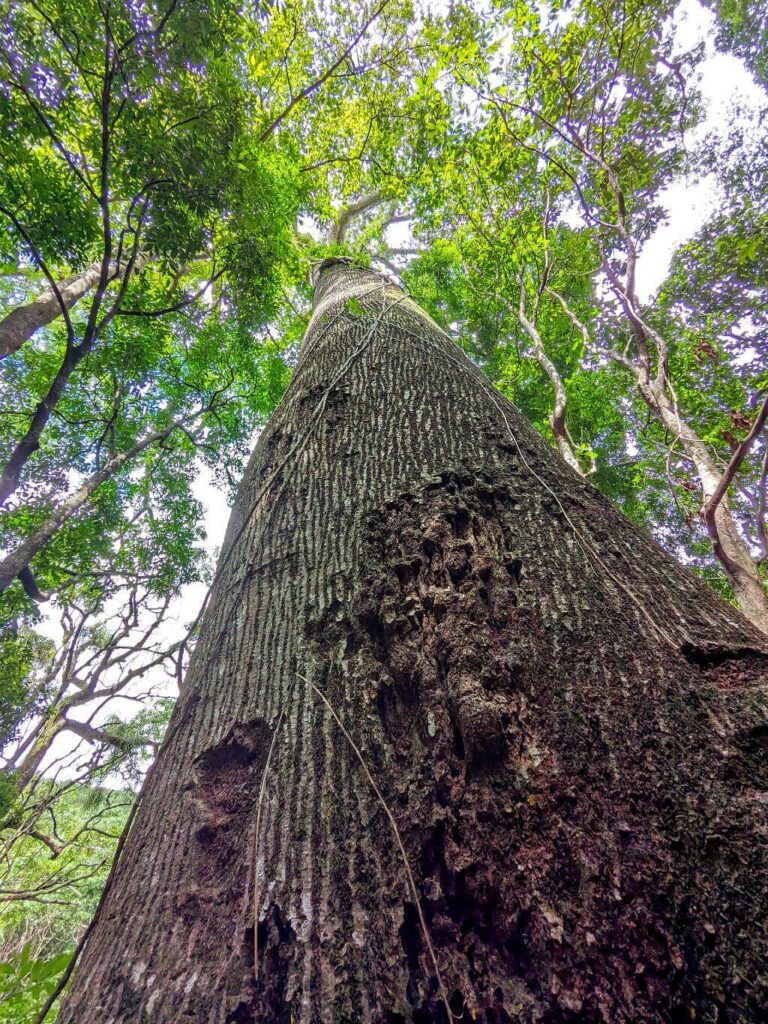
{"points": [[200, 157], [65, 886], [22, 653], [64, 889], [562, 131], [743, 28], [26, 984]]}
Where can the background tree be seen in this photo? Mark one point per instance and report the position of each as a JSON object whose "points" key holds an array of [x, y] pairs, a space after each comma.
{"points": [[575, 135], [298, 111]]}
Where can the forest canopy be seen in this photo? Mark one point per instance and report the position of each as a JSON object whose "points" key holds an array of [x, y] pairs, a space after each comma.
{"points": [[171, 171]]}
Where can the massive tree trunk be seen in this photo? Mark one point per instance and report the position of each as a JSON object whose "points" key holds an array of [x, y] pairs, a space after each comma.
{"points": [[429, 637]]}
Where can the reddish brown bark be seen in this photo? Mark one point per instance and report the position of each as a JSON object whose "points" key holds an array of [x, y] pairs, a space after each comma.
{"points": [[568, 729]]}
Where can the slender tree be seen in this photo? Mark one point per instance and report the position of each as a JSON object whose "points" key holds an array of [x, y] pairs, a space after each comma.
{"points": [[21, 323], [458, 740]]}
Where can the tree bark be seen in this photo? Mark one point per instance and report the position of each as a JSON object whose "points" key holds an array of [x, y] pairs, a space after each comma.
{"points": [[22, 322], [730, 548], [429, 636], [19, 559]]}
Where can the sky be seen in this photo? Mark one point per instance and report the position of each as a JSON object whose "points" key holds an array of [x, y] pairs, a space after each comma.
{"points": [[724, 84]]}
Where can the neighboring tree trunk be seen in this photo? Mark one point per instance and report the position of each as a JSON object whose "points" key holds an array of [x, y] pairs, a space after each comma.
{"points": [[19, 559], [567, 727], [557, 420], [22, 322], [730, 547]]}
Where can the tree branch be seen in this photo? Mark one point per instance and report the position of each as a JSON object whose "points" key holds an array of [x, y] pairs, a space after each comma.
{"points": [[308, 90], [345, 216], [710, 507], [18, 560]]}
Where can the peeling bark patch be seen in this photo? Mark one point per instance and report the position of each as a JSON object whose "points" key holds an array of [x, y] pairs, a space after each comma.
{"points": [[445, 636], [269, 996], [715, 656], [225, 785], [223, 794]]}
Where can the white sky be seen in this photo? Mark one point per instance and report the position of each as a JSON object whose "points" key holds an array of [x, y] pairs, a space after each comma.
{"points": [[723, 82]]}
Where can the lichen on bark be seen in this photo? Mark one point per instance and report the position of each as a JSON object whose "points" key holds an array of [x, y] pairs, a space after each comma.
{"points": [[567, 727]]}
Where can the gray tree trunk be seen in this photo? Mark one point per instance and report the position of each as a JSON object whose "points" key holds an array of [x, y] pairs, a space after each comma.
{"points": [[22, 322], [731, 549], [568, 731]]}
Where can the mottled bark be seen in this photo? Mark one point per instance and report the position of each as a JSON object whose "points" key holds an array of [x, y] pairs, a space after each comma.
{"points": [[557, 419], [347, 215], [22, 322], [47, 731], [568, 730]]}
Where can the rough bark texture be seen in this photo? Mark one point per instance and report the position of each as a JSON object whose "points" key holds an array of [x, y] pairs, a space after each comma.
{"points": [[570, 731]]}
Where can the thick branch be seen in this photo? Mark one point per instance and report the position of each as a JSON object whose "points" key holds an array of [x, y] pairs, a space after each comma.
{"points": [[30, 442], [589, 344], [345, 216], [19, 559], [22, 322], [710, 507]]}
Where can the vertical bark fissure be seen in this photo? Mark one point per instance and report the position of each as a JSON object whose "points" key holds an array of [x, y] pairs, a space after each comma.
{"points": [[558, 775], [256, 834]]}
